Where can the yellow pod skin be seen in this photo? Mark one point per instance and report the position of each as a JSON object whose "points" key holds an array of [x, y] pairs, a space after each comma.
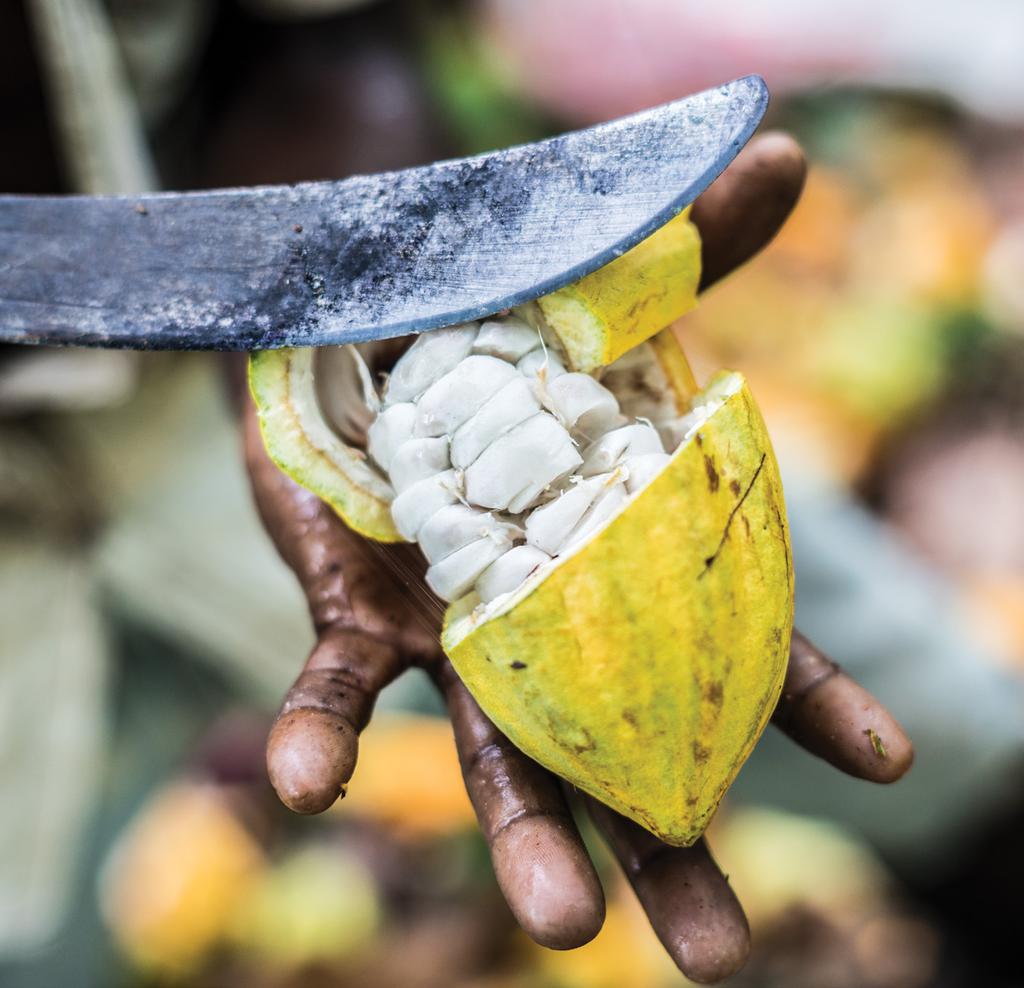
{"points": [[615, 308], [645, 666], [299, 440]]}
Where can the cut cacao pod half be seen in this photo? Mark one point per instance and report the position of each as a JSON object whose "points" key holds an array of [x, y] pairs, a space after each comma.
{"points": [[611, 540]]}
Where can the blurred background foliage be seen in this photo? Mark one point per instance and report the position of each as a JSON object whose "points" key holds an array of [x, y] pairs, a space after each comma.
{"points": [[147, 628]]}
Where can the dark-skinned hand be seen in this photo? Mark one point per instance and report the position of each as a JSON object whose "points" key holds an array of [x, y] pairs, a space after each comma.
{"points": [[373, 621]]}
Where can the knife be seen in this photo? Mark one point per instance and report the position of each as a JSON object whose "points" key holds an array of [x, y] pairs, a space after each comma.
{"points": [[365, 258]]}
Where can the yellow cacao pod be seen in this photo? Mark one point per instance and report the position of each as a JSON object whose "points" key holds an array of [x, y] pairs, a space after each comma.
{"points": [[640, 653]]}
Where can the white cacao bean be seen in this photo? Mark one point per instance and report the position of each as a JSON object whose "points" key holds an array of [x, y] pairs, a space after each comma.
{"points": [[548, 526], [431, 356], [389, 430], [629, 440], [606, 507], [510, 339], [411, 509], [509, 572], [452, 399], [643, 469], [541, 363], [581, 403], [455, 575], [457, 525], [513, 404], [417, 459], [517, 466]]}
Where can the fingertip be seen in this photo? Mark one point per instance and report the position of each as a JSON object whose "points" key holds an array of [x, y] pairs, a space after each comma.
{"points": [[697, 915], [886, 753], [311, 754], [843, 723], [743, 209], [901, 750], [714, 962], [689, 902], [549, 881], [898, 764], [783, 161]]}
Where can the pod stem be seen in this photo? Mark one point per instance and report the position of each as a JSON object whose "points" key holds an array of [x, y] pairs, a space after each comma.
{"points": [[673, 360]]}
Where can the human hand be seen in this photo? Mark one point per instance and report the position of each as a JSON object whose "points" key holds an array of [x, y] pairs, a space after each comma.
{"points": [[374, 619]]}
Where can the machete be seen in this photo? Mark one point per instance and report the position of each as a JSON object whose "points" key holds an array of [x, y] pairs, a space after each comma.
{"points": [[368, 257]]}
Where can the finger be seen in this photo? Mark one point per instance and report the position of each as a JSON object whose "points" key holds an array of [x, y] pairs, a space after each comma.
{"points": [[312, 749], [687, 899], [835, 718], [365, 636], [540, 862], [746, 205]]}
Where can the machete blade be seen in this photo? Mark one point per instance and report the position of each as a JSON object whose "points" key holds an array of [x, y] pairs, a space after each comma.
{"points": [[369, 257]]}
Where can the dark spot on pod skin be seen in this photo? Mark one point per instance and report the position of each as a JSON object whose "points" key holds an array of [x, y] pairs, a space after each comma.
{"points": [[629, 717], [700, 752], [714, 693], [518, 665], [712, 473], [587, 744], [734, 486]]}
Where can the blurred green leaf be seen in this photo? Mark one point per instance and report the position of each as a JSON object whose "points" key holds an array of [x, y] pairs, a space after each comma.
{"points": [[478, 106], [184, 552], [161, 44], [53, 699], [94, 109], [882, 357]]}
